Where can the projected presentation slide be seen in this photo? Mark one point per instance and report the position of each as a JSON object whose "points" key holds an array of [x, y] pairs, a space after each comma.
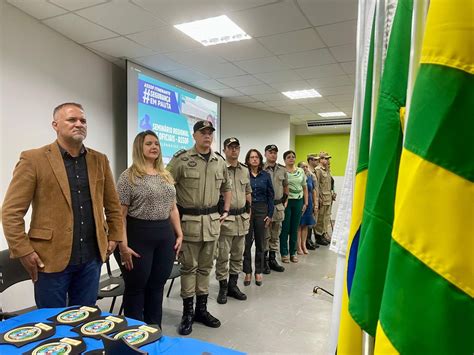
{"points": [[169, 110]]}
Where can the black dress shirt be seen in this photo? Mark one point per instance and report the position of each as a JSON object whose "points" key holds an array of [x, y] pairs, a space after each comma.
{"points": [[84, 242]]}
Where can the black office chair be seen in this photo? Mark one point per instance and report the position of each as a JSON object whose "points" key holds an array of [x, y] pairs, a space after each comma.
{"points": [[107, 288], [175, 272], [11, 273]]}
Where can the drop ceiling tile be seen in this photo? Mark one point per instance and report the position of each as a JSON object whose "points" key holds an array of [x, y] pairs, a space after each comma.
{"points": [[338, 33], [349, 67], [307, 59], [222, 70], [303, 117], [320, 107], [242, 80], [290, 42], [331, 81], [73, 5], [226, 92], [270, 19], [344, 53], [280, 103], [294, 110], [78, 29], [320, 71], [122, 17], [345, 89], [270, 97], [159, 63], [278, 77], [240, 99], [120, 47], [322, 12], [241, 50], [176, 12], [39, 9], [340, 99], [210, 84], [165, 40], [195, 58], [258, 105], [292, 85], [257, 89], [187, 75], [261, 65]]}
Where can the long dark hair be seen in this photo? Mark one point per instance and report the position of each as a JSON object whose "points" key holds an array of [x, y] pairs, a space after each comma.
{"points": [[247, 158]]}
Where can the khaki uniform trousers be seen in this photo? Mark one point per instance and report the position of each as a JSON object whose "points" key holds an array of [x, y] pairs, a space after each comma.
{"points": [[194, 278], [272, 237], [322, 223], [230, 256]]}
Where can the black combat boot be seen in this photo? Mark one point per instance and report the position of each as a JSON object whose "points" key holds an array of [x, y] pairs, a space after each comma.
{"points": [[202, 315], [266, 267], [233, 290], [186, 325], [320, 239], [273, 263], [222, 297], [310, 245]]}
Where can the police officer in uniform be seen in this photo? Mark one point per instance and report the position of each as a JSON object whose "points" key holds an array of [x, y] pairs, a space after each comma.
{"points": [[200, 176], [235, 226], [280, 186], [325, 198]]}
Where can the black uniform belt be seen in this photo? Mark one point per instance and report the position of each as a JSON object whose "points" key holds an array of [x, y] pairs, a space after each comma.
{"points": [[237, 211], [277, 202], [197, 211]]}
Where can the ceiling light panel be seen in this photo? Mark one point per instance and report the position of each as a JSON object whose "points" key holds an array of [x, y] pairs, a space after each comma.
{"points": [[332, 114], [213, 30], [301, 94]]}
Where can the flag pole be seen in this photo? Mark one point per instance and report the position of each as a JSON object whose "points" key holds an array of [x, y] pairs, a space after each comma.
{"points": [[367, 340], [420, 11]]}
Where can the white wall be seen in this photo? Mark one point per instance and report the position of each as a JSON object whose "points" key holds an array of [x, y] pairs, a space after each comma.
{"points": [[40, 69], [255, 128]]}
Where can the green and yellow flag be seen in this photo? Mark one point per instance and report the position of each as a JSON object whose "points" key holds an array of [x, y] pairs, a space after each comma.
{"points": [[377, 220], [427, 305], [350, 333]]}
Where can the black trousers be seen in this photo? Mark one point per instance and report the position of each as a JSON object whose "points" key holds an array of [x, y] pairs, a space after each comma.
{"points": [[256, 233], [154, 242]]}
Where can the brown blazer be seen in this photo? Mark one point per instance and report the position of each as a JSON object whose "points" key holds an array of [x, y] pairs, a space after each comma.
{"points": [[40, 179]]}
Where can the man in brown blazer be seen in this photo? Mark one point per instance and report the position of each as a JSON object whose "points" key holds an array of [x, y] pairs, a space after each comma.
{"points": [[76, 219]]}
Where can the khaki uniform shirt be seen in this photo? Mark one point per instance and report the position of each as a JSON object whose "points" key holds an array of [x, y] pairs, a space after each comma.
{"points": [[199, 184], [238, 225], [279, 180], [324, 185]]}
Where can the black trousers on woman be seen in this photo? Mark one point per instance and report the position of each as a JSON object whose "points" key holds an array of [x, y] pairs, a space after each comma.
{"points": [[144, 284], [256, 233]]}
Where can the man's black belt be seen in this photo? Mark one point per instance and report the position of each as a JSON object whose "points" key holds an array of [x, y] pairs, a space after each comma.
{"points": [[237, 211], [277, 202], [197, 211]]}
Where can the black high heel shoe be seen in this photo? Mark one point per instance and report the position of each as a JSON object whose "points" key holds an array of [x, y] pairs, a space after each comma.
{"points": [[258, 282], [247, 282]]}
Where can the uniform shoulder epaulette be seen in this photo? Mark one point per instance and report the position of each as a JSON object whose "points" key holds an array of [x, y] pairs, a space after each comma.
{"points": [[245, 166], [179, 152], [219, 154], [280, 165]]}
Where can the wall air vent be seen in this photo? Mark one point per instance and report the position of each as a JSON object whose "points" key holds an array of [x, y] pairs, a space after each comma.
{"points": [[329, 122]]}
